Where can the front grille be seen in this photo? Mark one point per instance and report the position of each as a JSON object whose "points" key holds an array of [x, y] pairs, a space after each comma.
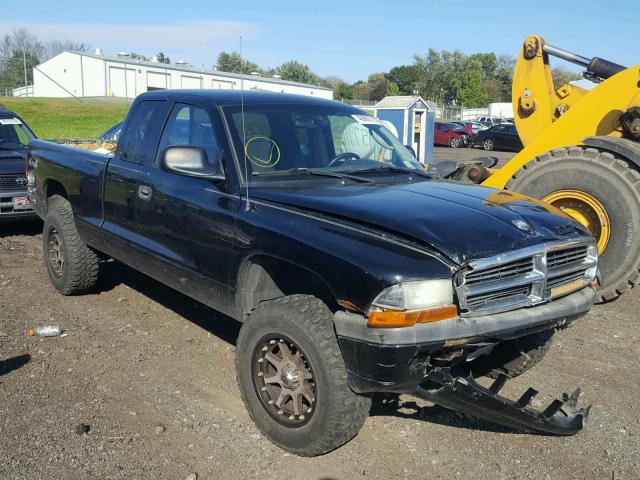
{"points": [[500, 272], [13, 183], [525, 277], [498, 297], [567, 256]]}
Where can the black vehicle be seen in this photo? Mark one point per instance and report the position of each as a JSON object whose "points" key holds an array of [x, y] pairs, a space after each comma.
{"points": [[503, 136], [15, 135], [352, 270], [112, 134]]}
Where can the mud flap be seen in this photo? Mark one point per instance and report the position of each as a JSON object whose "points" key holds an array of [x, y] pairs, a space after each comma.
{"points": [[465, 395]]}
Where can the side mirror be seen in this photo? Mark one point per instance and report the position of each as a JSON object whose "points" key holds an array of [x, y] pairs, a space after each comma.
{"points": [[413, 152], [191, 162]]}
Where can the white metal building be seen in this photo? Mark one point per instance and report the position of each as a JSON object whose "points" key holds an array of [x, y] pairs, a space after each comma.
{"points": [[96, 75]]}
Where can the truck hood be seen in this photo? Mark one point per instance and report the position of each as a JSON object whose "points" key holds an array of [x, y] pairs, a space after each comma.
{"points": [[12, 161], [463, 222]]}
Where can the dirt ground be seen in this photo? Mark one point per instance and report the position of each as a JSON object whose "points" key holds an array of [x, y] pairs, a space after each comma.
{"points": [[151, 373]]}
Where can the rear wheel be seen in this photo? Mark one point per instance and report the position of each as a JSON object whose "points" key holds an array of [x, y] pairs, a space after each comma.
{"points": [[488, 144], [293, 379], [600, 191], [72, 266]]}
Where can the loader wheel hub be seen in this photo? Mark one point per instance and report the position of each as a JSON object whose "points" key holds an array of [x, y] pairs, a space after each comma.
{"points": [[587, 210]]}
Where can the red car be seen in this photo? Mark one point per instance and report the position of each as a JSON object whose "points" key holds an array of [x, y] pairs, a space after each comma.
{"points": [[448, 134]]}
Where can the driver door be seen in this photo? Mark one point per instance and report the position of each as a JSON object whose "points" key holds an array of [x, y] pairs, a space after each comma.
{"points": [[187, 223]]}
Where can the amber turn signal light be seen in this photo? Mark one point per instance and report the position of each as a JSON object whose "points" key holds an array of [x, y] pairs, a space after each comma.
{"points": [[392, 318]]}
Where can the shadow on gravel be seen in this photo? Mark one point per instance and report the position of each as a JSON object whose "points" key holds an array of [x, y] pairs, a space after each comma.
{"points": [[14, 363], [390, 405], [114, 273], [30, 228]]}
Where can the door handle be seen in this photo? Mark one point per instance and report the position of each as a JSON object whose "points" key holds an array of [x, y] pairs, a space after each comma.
{"points": [[144, 192]]}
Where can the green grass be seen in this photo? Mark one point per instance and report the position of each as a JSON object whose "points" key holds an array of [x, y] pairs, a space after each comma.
{"points": [[64, 118]]}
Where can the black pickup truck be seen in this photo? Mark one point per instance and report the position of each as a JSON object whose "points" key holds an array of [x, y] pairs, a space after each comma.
{"points": [[352, 269], [15, 135]]}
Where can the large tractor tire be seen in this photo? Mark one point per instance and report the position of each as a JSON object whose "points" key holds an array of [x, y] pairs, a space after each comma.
{"points": [[602, 192]]}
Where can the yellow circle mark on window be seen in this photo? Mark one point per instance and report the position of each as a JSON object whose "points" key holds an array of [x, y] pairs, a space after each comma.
{"points": [[262, 151]]}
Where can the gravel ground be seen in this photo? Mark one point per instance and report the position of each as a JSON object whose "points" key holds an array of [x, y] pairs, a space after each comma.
{"points": [[150, 375]]}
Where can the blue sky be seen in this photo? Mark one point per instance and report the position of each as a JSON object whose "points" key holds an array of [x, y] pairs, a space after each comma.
{"points": [[349, 39]]}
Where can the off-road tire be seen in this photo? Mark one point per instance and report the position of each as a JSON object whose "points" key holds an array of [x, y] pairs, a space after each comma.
{"points": [[81, 264], [514, 357], [339, 413], [615, 184]]}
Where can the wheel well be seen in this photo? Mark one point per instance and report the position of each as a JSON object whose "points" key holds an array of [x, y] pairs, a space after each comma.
{"points": [[265, 278], [53, 187]]}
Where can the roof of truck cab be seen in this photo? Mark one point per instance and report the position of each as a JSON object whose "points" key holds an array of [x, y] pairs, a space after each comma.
{"points": [[249, 97]]}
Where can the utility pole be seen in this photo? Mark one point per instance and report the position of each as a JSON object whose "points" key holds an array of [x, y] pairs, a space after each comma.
{"points": [[24, 64]]}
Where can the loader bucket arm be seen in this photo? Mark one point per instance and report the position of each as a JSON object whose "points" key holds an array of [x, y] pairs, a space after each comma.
{"points": [[465, 395], [594, 113]]}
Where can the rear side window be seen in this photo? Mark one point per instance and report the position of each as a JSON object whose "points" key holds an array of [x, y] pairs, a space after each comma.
{"points": [[190, 125], [133, 146]]}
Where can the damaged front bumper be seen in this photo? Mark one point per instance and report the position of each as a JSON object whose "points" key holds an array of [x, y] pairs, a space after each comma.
{"points": [[561, 417], [404, 360]]}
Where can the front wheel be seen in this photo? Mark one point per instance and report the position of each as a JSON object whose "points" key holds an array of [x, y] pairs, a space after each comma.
{"points": [[600, 191], [293, 379], [455, 142], [488, 145]]}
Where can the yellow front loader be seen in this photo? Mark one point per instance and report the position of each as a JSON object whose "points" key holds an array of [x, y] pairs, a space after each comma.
{"points": [[581, 153]]}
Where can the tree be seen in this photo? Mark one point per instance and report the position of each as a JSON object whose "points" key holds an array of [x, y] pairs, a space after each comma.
{"points": [[52, 48], [22, 46], [12, 74], [234, 63], [378, 86], [138, 56], [343, 91], [561, 76], [162, 58], [405, 77], [296, 72], [360, 90], [505, 64]]}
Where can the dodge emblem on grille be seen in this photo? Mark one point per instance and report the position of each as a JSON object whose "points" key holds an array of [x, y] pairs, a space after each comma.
{"points": [[522, 225], [22, 181]]}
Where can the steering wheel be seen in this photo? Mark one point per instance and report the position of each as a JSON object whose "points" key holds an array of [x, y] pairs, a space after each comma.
{"points": [[342, 158]]}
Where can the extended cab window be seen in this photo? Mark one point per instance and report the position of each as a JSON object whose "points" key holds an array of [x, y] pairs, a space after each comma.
{"points": [[133, 146], [190, 125]]}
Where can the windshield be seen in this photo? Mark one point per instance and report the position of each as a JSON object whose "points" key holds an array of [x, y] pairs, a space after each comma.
{"points": [[280, 141], [14, 134]]}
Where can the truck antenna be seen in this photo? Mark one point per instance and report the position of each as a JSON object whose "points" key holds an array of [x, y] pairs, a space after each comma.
{"points": [[247, 206]]}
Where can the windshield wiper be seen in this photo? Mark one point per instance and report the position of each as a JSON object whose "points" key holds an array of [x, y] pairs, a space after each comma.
{"points": [[391, 169], [320, 173]]}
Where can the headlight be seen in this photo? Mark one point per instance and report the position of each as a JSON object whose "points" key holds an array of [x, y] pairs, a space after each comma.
{"points": [[408, 303], [413, 295], [592, 256]]}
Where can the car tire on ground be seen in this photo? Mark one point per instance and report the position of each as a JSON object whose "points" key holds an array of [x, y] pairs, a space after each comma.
{"points": [[613, 186], [72, 266], [514, 357], [454, 142], [293, 379], [488, 144]]}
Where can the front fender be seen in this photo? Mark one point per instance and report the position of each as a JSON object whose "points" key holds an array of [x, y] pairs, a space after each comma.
{"points": [[355, 262]]}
